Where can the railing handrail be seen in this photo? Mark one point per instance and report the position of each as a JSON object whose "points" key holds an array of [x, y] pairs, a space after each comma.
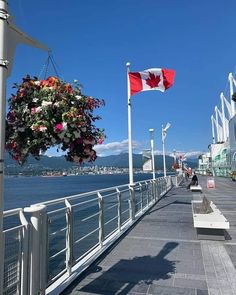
{"points": [[34, 235], [81, 195]]}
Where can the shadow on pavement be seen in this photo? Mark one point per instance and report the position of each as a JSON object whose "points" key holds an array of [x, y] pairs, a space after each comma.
{"points": [[130, 275]]}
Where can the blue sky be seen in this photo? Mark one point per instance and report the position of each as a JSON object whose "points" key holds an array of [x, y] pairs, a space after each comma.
{"points": [[92, 40]]}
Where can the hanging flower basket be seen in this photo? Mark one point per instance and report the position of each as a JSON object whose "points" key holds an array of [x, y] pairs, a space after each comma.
{"points": [[48, 113], [234, 96]]}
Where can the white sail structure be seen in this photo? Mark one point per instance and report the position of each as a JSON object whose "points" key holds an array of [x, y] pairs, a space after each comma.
{"points": [[218, 132], [231, 88]]}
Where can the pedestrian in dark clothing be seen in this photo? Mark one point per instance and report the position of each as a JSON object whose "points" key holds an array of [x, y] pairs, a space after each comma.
{"points": [[194, 181]]}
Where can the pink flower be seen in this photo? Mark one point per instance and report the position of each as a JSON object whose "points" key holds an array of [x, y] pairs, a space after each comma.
{"points": [[100, 141], [59, 127], [33, 111]]}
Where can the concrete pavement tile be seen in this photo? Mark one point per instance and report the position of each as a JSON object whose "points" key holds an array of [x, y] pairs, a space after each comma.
{"points": [[188, 283], [201, 292], [159, 290]]}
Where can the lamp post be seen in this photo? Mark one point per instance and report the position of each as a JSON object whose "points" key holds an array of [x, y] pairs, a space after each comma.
{"points": [[163, 146], [152, 151], [10, 36]]}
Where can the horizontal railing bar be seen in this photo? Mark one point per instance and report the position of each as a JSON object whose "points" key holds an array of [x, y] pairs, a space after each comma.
{"points": [[57, 276], [84, 202], [110, 220], [13, 228], [109, 195], [12, 212], [109, 208], [85, 253], [59, 231], [84, 237], [89, 217], [72, 197], [111, 233], [56, 211], [58, 253], [125, 211]]}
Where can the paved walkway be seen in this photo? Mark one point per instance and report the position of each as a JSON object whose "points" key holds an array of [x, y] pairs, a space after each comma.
{"points": [[162, 255]]}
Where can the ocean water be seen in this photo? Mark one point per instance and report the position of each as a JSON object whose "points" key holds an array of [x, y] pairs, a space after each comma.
{"points": [[24, 191]]}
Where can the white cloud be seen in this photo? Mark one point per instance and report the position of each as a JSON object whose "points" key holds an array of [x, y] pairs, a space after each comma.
{"points": [[115, 148], [118, 147]]}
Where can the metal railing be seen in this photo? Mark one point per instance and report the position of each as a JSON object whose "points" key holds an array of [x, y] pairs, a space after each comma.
{"points": [[49, 244]]}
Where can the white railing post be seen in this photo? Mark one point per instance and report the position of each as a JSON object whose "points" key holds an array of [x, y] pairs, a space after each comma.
{"points": [[153, 191], [141, 194], [37, 248], [101, 219], [147, 192], [119, 221], [69, 236], [176, 181], [157, 189], [131, 203], [25, 256]]}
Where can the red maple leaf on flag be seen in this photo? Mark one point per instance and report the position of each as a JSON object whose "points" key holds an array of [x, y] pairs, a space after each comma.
{"points": [[153, 80]]}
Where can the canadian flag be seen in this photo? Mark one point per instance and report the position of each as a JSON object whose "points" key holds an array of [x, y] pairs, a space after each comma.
{"points": [[151, 79]]}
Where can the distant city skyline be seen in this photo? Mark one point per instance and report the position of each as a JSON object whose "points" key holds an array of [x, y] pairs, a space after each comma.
{"points": [[92, 41]]}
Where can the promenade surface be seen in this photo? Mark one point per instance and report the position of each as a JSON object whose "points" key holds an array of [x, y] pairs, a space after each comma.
{"points": [[162, 255]]}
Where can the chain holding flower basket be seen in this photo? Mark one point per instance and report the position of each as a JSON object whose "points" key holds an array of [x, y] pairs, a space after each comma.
{"points": [[48, 113]]}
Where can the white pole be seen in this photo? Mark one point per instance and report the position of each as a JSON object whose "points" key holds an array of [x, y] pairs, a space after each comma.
{"points": [[231, 89], [131, 176], [213, 130], [152, 149], [3, 76], [217, 125], [164, 157], [223, 118]]}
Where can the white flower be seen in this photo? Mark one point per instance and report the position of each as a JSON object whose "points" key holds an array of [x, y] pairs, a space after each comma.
{"points": [[37, 82], [64, 124], [56, 104], [42, 128], [78, 97], [46, 103], [38, 110], [35, 99]]}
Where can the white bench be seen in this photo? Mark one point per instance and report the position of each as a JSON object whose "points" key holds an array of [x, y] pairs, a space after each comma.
{"points": [[196, 188], [213, 220]]}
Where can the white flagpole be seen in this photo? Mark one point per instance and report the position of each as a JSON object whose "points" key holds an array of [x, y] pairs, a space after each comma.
{"points": [[131, 176], [231, 88], [152, 149], [163, 149], [3, 77]]}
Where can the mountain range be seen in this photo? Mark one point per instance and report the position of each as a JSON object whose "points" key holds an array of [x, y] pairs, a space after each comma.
{"points": [[119, 161]]}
